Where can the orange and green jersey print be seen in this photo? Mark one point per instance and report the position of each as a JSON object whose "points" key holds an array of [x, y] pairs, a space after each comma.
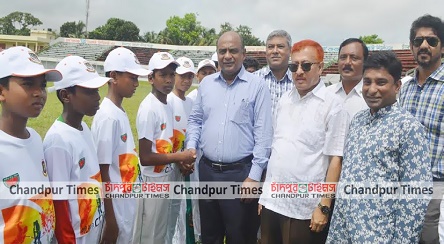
{"points": [[162, 146], [25, 224], [129, 167], [178, 140], [88, 203]]}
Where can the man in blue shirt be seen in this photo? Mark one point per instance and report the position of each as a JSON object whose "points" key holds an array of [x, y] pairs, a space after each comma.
{"points": [[230, 124]]}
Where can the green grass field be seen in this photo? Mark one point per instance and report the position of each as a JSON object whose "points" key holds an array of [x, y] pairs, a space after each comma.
{"points": [[53, 109]]}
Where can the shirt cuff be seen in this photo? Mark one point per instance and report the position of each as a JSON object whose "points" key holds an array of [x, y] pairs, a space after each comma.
{"points": [[255, 172]]}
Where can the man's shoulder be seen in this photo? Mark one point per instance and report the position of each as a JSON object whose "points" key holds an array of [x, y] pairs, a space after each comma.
{"points": [[262, 72]]}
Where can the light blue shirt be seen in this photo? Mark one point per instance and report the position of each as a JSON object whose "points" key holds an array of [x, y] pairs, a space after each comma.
{"points": [[230, 122]]}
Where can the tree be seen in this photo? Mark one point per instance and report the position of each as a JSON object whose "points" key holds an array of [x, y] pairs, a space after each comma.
{"points": [[116, 29], [249, 39], [73, 29], [18, 23], [151, 37], [184, 31], [371, 39]]}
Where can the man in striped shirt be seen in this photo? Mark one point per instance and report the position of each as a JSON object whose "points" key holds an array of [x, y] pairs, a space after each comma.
{"points": [[423, 96], [276, 73]]}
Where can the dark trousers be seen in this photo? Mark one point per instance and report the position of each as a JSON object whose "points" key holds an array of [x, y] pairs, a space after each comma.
{"points": [[279, 229], [237, 221]]}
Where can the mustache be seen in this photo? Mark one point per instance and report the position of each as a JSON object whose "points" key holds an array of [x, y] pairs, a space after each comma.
{"points": [[347, 67], [424, 51]]}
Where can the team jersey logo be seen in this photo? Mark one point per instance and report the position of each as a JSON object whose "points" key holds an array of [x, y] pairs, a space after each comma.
{"points": [[82, 162], [11, 180], [44, 170], [163, 126], [33, 58], [177, 118], [124, 137]]}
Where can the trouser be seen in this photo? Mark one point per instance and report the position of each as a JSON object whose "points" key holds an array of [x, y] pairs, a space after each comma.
{"points": [[429, 234], [232, 218], [280, 229]]}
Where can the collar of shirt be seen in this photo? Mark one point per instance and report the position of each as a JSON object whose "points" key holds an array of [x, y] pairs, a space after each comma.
{"points": [[438, 75], [241, 76], [357, 89], [266, 72], [318, 91], [382, 112]]}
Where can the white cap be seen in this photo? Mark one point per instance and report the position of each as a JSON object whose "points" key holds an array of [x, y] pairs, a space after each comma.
{"points": [[161, 60], [186, 65], [214, 57], [206, 63], [77, 71], [124, 60], [23, 62]]}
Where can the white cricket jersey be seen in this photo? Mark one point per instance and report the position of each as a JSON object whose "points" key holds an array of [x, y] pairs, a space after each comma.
{"points": [[24, 219], [155, 123], [71, 156]]}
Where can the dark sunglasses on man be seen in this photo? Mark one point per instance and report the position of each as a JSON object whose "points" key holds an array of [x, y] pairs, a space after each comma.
{"points": [[431, 40], [305, 66]]}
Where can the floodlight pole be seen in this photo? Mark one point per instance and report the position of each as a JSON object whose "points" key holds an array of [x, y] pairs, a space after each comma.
{"points": [[87, 16]]}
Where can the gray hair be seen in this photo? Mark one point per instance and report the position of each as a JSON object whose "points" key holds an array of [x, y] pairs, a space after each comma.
{"points": [[280, 33]]}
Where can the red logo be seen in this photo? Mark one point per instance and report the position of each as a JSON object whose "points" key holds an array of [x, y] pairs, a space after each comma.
{"points": [[124, 137], [82, 162], [163, 126], [11, 180], [177, 118]]}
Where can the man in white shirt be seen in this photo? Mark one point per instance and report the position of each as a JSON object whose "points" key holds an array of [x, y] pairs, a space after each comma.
{"points": [[352, 54], [309, 133]]}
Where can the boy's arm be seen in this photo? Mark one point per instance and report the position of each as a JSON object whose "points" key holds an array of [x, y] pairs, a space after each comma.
{"points": [[150, 158], [63, 228], [110, 229]]}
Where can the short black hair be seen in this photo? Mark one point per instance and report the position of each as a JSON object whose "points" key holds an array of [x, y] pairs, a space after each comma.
{"points": [[352, 40], [386, 60], [251, 62], [71, 89], [5, 81], [428, 21]]}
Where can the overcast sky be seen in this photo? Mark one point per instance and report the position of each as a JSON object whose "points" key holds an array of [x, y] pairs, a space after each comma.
{"points": [[326, 21]]}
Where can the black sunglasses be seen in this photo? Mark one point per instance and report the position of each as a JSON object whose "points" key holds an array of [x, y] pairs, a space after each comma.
{"points": [[305, 66], [431, 40]]}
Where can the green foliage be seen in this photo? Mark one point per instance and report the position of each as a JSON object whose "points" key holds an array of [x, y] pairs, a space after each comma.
{"points": [[371, 39], [73, 29], [244, 31], [18, 23], [116, 29]]}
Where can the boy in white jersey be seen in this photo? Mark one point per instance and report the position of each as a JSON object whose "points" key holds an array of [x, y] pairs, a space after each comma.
{"points": [[118, 159], [23, 80], [181, 106], [156, 218], [71, 154], [204, 68]]}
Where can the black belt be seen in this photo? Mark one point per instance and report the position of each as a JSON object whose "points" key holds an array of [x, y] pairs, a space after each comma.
{"points": [[227, 166]]}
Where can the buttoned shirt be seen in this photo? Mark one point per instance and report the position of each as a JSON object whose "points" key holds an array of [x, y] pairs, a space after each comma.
{"points": [[426, 103], [307, 131], [353, 102], [388, 146], [230, 122], [276, 87]]}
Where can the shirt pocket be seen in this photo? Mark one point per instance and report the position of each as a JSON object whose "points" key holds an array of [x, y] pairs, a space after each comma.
{"points": [[242, 114]]}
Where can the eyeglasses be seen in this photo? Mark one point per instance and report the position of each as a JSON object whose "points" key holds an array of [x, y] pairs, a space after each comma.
{"points": [[305, 66], [431, 40]]}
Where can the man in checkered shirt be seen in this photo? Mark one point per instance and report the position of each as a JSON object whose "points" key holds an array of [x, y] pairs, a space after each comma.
{"points": [[423, 96], [276, 73]]}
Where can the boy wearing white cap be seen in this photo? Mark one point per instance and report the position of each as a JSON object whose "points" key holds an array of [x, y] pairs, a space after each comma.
{"points": [[118, 159], [204, 68], [23, 95], [181, 106], [156, 218], [71, 155]]}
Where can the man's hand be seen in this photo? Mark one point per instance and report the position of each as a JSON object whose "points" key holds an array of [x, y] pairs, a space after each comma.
{"points": [[318, 220], [110, 231], [250, 188]]}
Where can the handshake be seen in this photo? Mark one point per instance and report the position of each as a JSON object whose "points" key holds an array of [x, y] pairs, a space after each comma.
{"points": [[186, 162]]}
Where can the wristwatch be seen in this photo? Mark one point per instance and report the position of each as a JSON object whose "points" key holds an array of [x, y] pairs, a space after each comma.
{"points": [[324, 209]]}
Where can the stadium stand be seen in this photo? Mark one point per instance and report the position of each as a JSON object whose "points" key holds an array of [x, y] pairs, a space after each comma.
{"points": [[87, 51]]}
